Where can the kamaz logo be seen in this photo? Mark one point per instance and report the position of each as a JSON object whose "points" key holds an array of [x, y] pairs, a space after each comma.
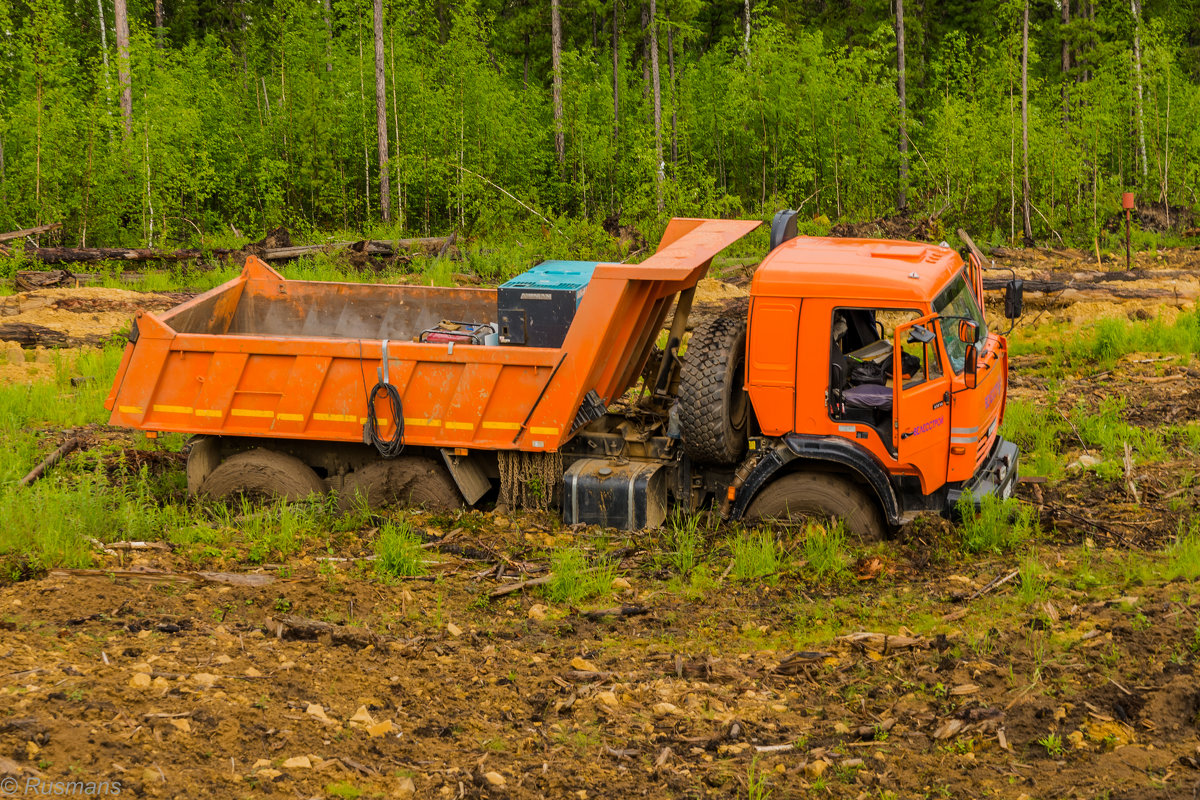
{"points": [[991, 396]]}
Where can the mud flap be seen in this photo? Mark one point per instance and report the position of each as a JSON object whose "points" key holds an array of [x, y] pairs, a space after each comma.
{"points": [[630, 496], [468, 475]]}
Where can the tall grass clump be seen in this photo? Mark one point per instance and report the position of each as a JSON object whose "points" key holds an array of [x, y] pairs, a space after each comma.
{"points": [[825, 550], [683, 541], [1035, 428], [398, 551], [1183, 553], [756, 555], [573, 580], [997, 526]]}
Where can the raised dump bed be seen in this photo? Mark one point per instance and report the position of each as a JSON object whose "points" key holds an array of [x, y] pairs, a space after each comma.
{"points": [[262, 356]]}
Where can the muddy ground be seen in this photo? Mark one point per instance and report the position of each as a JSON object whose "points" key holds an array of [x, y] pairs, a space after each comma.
{"points": [[916, 673]]}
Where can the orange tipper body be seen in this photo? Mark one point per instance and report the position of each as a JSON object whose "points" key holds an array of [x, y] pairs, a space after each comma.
{"points": [[863, 383], [264, 357]]}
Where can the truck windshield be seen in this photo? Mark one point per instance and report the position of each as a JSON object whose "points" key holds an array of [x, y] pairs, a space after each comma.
{"points": [[956, 300]]}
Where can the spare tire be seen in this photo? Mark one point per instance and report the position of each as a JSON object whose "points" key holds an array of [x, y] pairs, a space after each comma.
{"points": [[714, 411]]}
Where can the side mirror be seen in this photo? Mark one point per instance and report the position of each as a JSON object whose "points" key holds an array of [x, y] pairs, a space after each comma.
{"points": [[968, 331], [971, 368], [1014, 298], [919, 333]]}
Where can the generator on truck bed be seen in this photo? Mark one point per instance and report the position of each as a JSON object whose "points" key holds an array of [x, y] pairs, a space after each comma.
{"points": [[863, 383]]}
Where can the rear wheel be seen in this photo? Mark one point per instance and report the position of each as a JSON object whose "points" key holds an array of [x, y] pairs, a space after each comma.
{"points": [[408, 481], [814, 494], [262, 473], [714, 410], [203, 457]]}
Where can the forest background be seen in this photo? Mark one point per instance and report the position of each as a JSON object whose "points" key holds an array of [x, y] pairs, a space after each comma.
{"points": [[156, 122]]}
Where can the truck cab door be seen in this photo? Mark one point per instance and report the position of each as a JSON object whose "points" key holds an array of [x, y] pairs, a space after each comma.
{"points": [[921, 419]]}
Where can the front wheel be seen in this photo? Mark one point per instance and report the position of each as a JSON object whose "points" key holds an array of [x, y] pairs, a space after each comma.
{"points": [[814, 494]]}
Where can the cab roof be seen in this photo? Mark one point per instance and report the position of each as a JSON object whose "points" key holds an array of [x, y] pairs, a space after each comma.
{"points": [[879, 269]]}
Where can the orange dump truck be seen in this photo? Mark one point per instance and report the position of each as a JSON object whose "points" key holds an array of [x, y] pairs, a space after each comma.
{"points": [[863, 383]]}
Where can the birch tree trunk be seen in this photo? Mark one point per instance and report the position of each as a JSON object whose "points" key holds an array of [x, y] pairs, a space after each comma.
{"points": [[328, 37], [1137, 69], [381, 124], [657, 89], [616, 53], [1066, 62], [1028, 231], [560, 145], [104, 56], [158, 22], [746, 29], [121, 23], [902, 197], [674, 101]]}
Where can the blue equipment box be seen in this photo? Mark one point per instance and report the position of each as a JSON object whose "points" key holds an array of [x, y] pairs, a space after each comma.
{"points": [[537, 307]]}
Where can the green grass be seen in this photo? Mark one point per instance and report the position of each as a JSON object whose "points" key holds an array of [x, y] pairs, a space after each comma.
{"points": [[824, 548], [682, 542], [756, 555], [573, 579], [997, 526], [1104, 341], [1183, 553], [398, 551]]}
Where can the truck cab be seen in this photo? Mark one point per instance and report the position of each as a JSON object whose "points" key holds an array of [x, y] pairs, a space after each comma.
{"points": [[871, 363]]}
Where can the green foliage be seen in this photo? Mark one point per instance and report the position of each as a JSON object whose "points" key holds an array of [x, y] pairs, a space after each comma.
{"points": [[1032, 580], [824, 549], [683, 541], [997, 526], [573, 579], [398, 551], [756, 782], [756, 555], [268, 117], [1053, 744], [1183, 553]]}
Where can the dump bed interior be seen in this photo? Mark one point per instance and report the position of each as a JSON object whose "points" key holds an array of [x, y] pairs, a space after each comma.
{"points": [[331, 310]]}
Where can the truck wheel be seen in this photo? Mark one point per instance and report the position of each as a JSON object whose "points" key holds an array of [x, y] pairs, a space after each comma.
{"points": [[713, 407], [262, 473], [406, 481], [813, 494], [203, 457]]}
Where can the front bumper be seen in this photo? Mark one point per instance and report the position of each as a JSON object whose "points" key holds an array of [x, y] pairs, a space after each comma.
{"points": [[998, 476]]}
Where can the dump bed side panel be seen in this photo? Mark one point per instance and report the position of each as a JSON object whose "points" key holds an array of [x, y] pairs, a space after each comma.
{"points": [[246, 360]]}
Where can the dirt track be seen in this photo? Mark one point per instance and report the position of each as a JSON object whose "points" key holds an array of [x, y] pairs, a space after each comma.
{"points": [[176, 689]]}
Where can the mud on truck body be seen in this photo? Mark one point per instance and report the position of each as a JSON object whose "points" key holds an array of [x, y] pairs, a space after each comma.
{"points": [[862, 383]]}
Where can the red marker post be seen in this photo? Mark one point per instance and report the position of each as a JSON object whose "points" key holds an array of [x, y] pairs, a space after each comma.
{"points": [[1127, 202]]}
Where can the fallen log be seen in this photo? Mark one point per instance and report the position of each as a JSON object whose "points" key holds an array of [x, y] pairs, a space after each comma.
{"points": [[431, 245], [52, 459], [28, 335], [11, 235], [1091, 290]]}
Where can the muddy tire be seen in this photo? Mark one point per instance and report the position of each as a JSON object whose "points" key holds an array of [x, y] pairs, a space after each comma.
{"points": [[262, 473], [714, 411], [203, 457], [404, 481], [817, 495]]}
